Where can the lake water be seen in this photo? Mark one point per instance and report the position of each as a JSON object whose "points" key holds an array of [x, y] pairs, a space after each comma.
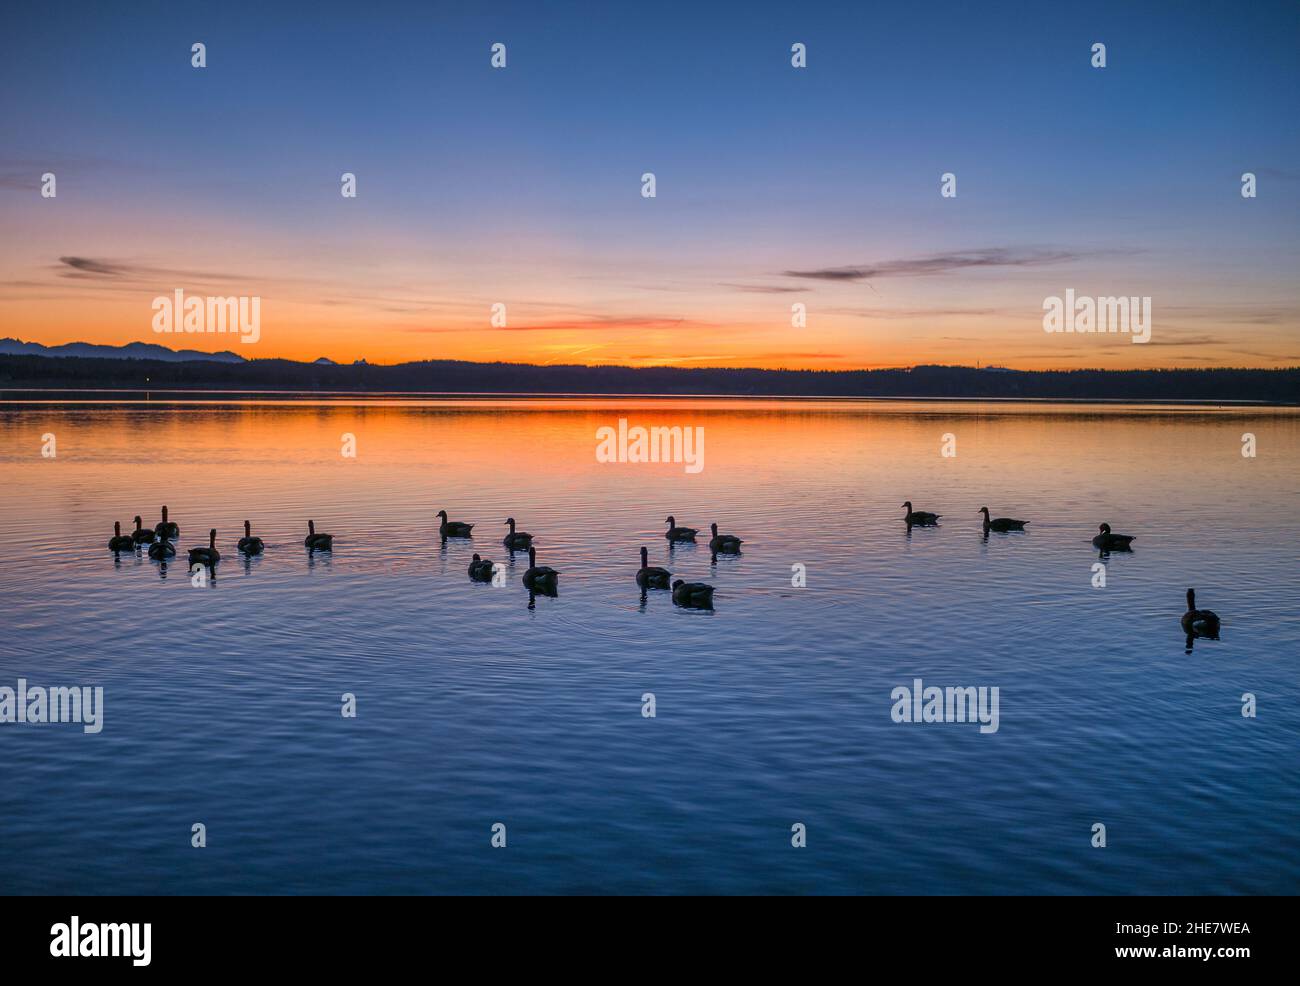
{"points": [[222, 702]]}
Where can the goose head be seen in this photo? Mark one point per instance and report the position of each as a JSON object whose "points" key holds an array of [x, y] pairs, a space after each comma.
{"points": [[248, 529], [714, 529], [511, 522], [1191, 599], [164, 512], [671, 521], [117, 528], [984, 511], [1105, 528], [212, 538], [645, 557], [137, 522], [532, 557], [476, 557], [442, 514], [311, 527], [907, 505]]}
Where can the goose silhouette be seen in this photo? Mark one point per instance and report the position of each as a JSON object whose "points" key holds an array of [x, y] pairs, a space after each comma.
{"points": [[1001, 524], [1107, 541], [165, 528], [480, 569], [317, 542], [540, 578], [725, 543], [516, 540], [120, 541], [919, 518], [208, 555], [1199, 622], [248, 544], [452, 528], [648, 577], [693, 595]]}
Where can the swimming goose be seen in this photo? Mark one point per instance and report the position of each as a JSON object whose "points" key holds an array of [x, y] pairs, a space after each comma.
{"points": [[208, 556], [516, 540], [165, 528], [727, 543], [317, 542], [1001, 523], [921, 518], [695, 595], [1199, 622], [161, 550], [1107, 541], [120, 541], [453, 528], [652, 578], [676, 533], [539, 577], [480, 569], [248, 544], [141, 534]]}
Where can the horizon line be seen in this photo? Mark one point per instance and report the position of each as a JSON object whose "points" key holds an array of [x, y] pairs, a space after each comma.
{"points": [[362, 361]]}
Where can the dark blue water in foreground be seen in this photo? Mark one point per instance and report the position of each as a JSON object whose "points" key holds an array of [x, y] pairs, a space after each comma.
{"points": [[222, 703]]}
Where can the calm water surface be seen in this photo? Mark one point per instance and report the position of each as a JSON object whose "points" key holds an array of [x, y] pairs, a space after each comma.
{"points": [[222, 703]]}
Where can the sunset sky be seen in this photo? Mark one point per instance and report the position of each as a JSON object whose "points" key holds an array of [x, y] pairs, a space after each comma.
{"points": [[775, 185]]}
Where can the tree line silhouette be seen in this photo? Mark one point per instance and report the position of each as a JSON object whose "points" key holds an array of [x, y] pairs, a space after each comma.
{"points": [[1277, 386]]}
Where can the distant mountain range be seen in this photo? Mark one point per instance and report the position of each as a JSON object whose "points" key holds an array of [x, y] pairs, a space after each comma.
{"points": [[132, 350], [79, 366]]}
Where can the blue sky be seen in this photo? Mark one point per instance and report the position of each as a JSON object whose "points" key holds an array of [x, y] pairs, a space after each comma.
{"points": [[522, 184]]}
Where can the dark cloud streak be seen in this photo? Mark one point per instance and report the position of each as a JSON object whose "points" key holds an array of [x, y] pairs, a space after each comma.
{"points": [[88, 268], [939, 263]]}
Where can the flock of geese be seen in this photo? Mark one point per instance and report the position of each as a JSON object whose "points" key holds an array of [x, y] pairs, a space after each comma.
{"points": [[545, 580], [537, 579], [1196, 622]]}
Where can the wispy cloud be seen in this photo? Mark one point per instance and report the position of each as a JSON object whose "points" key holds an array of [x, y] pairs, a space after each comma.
{"points": [[765, 288], [1290, 358], [607, 322], [1243, 314], [941, 263], [569, 352], [89, 268], [778, 356], [581, 324], [1186, 341], [1278, 173], [85, 266], [915, 313], [23, 174]]}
